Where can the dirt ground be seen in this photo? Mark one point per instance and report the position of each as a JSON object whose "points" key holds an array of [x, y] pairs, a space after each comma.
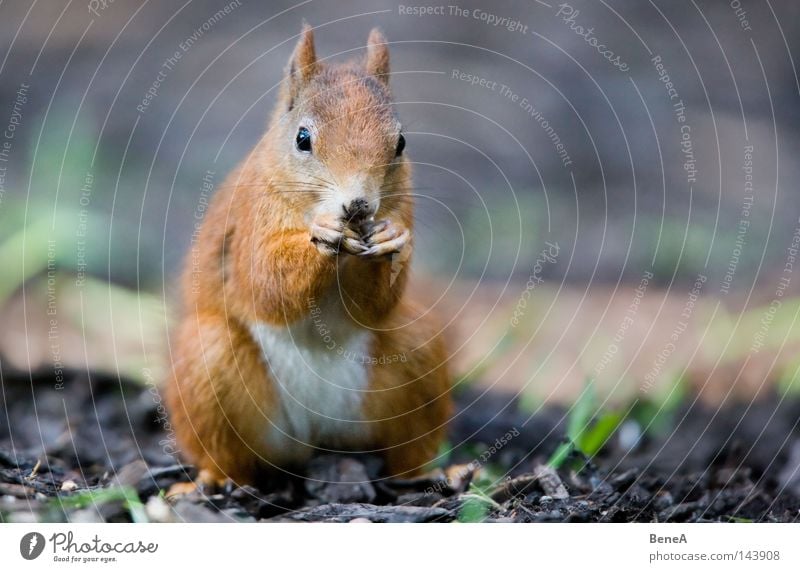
{"points": [[99, 449]]}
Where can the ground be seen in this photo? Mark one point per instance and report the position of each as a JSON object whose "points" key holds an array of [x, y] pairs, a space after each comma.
{"points": [[96, 448]]}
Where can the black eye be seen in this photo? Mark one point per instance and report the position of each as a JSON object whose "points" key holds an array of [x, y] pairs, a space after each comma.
{"points": [[303, 140], [401, 144]]}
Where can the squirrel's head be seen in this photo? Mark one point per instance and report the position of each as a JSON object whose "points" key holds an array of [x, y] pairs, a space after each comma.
{"points": [[335, 133]]}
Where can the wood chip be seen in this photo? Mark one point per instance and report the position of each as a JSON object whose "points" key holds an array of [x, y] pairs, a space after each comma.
{"points": [[35, 470], [550, 482]]}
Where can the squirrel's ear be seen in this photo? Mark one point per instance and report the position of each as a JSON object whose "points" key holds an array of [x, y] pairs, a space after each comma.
{"points": [[303, 63], [378, 56]]}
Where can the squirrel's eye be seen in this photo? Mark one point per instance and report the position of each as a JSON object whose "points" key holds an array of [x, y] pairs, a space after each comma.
{"points": [[401, 144], [303, 140]]}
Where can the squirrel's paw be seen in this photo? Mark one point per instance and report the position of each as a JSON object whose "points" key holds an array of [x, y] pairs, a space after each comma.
{"points": [[331, 236], [205, 483], [386, 238]]}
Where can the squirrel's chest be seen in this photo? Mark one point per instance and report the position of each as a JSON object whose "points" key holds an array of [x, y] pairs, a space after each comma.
{"points": [[318, 368]]}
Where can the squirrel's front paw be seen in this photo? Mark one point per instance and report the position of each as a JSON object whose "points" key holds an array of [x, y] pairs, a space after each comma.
{"points": [[331, 236], [386, 237]]}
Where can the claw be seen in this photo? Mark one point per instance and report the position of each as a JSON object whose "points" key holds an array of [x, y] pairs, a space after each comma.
{"points": [[379, 226], [390, 243], [354, 246]]}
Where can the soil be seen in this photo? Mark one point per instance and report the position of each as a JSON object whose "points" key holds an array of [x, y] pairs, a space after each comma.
{"points": [[98, 449]]}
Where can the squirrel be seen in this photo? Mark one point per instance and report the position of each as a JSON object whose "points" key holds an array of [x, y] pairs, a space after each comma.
{"points": [[296, 334]]}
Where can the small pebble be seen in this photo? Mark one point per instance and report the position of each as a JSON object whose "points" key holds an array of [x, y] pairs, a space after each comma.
{"points": [[158, 510], [629, 434], [361, 519], [68, 486]]}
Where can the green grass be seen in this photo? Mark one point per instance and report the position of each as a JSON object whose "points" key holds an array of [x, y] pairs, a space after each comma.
{"points": [[99, 497], [478, 501], [588, 429], [739, 519], [474, 509]]}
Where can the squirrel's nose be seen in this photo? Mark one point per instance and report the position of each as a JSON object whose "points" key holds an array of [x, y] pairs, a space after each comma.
{"points": [[358, 210]]}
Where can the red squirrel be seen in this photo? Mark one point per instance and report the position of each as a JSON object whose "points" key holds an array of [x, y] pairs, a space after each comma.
{"points": [[296, 334]]}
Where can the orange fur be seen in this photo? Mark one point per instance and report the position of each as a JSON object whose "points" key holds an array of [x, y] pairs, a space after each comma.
{"points": [[265, 257]]}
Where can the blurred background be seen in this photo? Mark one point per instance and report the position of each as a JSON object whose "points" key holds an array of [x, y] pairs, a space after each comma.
{"points": [[606, 190]]}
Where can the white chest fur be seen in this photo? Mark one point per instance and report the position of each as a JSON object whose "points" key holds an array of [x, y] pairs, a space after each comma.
{"points": [[319, 371]]}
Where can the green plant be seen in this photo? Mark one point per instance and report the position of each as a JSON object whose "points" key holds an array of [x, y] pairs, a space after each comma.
{"points": [[588, 429], [96, 497], [474, 509]]}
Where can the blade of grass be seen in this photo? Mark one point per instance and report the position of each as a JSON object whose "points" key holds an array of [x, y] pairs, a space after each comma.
{"points": [[473, 510], [579, 417], [592, 440], [94, 497]]}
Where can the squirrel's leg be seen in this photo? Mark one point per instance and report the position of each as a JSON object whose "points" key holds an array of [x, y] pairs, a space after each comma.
{"points": [[414, 457], [410, 402], [219, 398]]}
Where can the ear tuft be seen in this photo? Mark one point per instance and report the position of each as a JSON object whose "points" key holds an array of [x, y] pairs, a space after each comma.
{"points": [[378, 56], [303, 63]]}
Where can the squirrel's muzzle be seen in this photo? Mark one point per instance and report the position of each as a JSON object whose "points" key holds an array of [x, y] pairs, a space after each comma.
{"points": [[357, 211]]}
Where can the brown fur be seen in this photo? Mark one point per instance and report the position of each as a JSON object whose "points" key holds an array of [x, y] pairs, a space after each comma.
{"points": [[256, 262], [377, 63]]}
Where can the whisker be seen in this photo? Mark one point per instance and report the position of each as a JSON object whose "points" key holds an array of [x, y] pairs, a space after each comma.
{"points": [[321, 180], [418, 221], [397, 185], [400, 197], [301, 191], [400, 192], [297, 186]]}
